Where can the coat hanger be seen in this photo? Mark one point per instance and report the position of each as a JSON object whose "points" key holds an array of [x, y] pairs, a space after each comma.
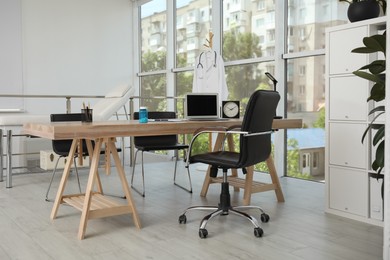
{"points": [[209, 41], [209, 47]]}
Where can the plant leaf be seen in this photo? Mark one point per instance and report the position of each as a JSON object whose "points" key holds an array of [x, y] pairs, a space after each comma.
{"points": [[377, 109], [378, 92], [375, 67], [379, 135], [374, 43], [379, 156], [367, 76], [373, 125], [366, 131]]}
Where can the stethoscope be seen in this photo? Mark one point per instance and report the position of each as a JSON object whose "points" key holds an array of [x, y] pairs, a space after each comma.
{"points": [[200, 64]]}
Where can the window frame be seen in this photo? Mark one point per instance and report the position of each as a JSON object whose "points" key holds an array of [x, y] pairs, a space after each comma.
{"points": [[280, 57]]}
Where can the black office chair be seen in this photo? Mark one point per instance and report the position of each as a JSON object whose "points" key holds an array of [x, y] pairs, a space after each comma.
{"points": [[157, 143], [62, 147], [255, 147]]}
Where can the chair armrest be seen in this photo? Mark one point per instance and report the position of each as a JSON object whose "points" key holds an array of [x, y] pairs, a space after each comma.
{"points": [[205, 130], [220, 130]]}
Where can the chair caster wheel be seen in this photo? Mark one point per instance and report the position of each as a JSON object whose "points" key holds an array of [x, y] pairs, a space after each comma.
{"points": [[203, 233], [264, 218], [182, 219], [258, 232]]}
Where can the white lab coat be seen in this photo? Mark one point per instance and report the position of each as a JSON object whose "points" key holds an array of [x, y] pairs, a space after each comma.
{"points": [[209, 75]]}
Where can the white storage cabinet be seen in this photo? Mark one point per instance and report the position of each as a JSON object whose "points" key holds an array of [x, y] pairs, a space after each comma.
{"points": [[350, 191]]}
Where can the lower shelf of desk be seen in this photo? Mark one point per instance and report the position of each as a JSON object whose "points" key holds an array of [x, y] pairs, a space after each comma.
{"points": [[100, 207]]}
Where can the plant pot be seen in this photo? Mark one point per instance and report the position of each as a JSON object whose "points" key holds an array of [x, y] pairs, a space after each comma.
{"points": [[363, 10]]}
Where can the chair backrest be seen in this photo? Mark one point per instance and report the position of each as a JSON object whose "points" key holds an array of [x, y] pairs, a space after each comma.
{"points": [[62, 147], [258, 117], [158, 140]]}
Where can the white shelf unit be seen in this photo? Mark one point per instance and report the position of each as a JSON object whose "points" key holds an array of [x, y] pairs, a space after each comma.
{"points": [[350, 191]]}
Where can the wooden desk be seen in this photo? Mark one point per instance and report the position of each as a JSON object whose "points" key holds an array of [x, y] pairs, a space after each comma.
{"points": [[93, 204]]}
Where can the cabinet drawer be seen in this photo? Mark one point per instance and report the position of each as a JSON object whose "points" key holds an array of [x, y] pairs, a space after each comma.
{"points": [[376, 202], [348, 98], [341, 43], [345, 146], [348, 191]]}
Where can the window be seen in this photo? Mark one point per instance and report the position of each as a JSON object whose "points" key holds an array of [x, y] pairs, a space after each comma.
{"points": [[270, 51], [261, 39], [302, 70], [250, 46], [271, 35], [302, 89], [260, 22], [325, 10], [241, 40], [315, 160], [261, 5], [153, 43], [291, 31], [302, 33], [304, 161], [242, 80], [302, 13], [191, 31]]}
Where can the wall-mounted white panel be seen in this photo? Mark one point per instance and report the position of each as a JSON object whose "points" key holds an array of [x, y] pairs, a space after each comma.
{"points": [[11, 76], [75, 47]]}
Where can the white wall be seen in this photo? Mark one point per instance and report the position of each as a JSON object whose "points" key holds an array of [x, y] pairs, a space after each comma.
{"points": [[10, 53], [74, 47]]}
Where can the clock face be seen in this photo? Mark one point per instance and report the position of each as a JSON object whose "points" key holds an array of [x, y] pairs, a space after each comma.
{"points": [[231, 109]]}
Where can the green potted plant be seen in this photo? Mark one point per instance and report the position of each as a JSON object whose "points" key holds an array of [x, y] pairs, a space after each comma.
{"points": [[359, 10], [375, 72]]}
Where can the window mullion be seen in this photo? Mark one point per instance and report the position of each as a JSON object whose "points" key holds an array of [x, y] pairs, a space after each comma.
{"points": [[171, 52]]}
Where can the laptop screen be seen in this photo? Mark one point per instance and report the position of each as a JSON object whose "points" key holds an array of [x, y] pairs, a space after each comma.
{"points": [[201, 106]]}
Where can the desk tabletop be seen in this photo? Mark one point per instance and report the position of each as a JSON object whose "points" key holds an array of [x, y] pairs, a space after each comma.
{"points": [[122, 128]]}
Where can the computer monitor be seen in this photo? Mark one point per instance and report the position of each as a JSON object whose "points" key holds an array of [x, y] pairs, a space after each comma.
{"points": [[198, 106]]}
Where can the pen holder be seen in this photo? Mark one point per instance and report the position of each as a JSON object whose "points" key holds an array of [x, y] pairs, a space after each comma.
{"points": [[86, 115]]}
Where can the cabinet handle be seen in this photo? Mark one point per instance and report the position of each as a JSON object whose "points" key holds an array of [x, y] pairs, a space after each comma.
{"points": [[346, 163], [347, 117]]}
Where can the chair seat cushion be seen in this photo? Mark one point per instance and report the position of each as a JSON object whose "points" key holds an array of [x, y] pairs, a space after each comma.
{"points": [[220, 159]]}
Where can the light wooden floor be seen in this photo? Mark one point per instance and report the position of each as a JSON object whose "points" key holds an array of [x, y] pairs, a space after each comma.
{"points": [[298, 229]]}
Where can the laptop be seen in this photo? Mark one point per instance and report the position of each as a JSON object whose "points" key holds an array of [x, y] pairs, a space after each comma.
{"points": [[201, 106]]}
